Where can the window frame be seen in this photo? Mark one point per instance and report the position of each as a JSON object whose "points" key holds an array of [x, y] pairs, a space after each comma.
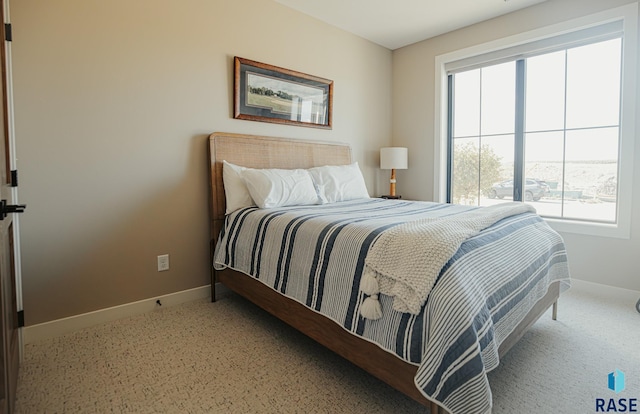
{"points": [[628, 16]]}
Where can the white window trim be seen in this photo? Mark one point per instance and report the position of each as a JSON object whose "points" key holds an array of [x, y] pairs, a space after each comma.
{"points": [[628, 14]]}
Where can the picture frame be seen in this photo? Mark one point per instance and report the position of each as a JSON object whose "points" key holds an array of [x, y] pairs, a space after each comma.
{"points": [[268, 93]]}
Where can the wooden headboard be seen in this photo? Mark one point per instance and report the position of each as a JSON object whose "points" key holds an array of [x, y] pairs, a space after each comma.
{"points": [[256, 151]]}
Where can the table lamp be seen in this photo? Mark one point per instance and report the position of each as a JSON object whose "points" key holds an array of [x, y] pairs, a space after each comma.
{"points": [[393, 158]]}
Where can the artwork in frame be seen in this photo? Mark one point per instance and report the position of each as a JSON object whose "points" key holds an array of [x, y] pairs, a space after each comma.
{"points": [[271, 94]]}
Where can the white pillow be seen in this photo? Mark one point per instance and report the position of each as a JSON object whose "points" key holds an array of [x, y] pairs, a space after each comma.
{"points": [[278, 188], [339, 182], [235, 189]]}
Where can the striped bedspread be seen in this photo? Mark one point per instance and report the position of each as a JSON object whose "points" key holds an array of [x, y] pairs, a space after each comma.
{"points": [[316, 254]]}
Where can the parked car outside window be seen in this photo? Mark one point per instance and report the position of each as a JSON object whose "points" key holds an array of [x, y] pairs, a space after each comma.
{"points": [[534, 189]]}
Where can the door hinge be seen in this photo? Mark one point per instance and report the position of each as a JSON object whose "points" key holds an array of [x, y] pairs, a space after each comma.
{"points": [[21, 319], [14, 178], [8, 32]]}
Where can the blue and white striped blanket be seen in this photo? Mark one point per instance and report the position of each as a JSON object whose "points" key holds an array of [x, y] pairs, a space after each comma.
{"points": [[316, 254]]}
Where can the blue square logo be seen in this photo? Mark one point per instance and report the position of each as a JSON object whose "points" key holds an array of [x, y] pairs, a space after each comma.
{"points": [[616, 381]]}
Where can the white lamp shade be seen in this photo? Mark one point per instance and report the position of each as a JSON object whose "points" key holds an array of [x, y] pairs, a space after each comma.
{"points": [[394, 158]]}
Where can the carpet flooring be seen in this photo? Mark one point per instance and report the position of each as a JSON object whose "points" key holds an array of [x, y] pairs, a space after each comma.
{"points": [[231, 357]]}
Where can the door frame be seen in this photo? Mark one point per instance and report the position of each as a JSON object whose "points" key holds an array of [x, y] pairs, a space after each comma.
{"points": [[13, 167]]}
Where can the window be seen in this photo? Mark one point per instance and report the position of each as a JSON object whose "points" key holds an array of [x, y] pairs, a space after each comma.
{"points": [[568, 128], [547, 121]]}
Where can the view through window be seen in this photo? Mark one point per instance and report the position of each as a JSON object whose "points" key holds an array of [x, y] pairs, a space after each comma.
{"points": [[543, 129]]}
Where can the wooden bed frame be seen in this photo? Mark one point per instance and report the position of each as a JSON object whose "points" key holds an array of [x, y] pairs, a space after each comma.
{"points": [[267, 152]]}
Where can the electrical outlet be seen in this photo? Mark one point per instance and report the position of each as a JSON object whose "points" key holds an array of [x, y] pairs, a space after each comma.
{"points": [[163, 262]]}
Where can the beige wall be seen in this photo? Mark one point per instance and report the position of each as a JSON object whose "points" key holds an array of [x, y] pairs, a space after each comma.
{"points": [[596, 259], [114, 101]]}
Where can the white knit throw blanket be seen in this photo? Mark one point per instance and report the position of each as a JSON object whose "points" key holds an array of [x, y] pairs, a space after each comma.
{"points": [[405, 261]]}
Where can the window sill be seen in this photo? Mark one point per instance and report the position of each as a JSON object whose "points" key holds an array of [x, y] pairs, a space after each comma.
{"points": [[591, 229]]}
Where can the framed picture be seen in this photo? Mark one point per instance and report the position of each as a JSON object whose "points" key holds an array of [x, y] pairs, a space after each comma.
{"points": [[271, 94]]}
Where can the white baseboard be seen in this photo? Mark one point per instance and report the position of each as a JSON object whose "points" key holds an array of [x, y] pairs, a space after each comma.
{"points": [[606, 292], [62, 326], [73, 323]]}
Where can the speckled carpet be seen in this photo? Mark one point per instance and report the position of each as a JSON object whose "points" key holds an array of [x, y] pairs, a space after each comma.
{"points": [[231, 357]]}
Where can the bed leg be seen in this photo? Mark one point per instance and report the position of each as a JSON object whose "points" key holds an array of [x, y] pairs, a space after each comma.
{"points": [[213, 285], [554, 311], [434, 408], [213, 271]]}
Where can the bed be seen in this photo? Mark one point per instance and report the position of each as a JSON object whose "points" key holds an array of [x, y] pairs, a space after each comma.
{"points": [[364, 343]]}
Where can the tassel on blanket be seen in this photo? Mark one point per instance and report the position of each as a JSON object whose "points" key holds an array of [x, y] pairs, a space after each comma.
{"points": [[369, 283], [370, 308]]}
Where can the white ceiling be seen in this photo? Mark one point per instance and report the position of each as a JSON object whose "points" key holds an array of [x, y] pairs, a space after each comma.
{"points": [[397, 23]]}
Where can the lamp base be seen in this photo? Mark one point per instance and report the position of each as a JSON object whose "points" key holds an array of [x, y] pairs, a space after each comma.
{"points": [[391, 197]]}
